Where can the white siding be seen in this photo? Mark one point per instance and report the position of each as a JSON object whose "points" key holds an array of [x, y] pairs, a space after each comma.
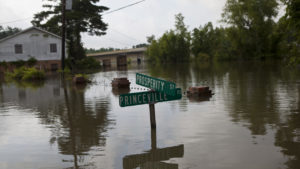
{"points": [[35, 44]]}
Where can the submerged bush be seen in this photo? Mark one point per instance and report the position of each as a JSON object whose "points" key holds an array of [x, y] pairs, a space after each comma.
{"points": [[33, 74], [87, 63], [81, 79], [66, 70], [24, 73]]}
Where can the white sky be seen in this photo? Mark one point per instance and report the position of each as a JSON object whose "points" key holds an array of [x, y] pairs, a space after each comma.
{"points": [[129, 26]]}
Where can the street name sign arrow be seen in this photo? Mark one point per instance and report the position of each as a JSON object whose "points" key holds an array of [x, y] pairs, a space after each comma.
{"points": [[156, 84]]}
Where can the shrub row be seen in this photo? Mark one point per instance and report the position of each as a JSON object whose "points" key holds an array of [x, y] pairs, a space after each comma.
{"points": [[19, 63], [24, 73]]}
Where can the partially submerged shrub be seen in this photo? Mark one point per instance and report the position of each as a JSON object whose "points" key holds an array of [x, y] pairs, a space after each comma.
{"points": [[33, 74], [88, 63], [24, 73], [66, 70], [81, 79]]}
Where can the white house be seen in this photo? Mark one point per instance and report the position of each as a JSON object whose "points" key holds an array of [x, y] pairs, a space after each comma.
{"points": [[33, 42]]}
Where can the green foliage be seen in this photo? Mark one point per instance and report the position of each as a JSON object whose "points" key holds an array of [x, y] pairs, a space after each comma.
{"points": [[82, 75], [33, 74], [211, 41], [88, 63], [173, 46], [4, 64], [66, 70], [203, 57], [31, 61], [18, 63], [8, 31], [81, 79], [26, 74], [142, 45], [150, 39], [252, 24], [203, 39], [85, 16], [92, 50], [288, 32]]}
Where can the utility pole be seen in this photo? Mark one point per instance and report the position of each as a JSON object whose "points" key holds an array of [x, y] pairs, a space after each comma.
{"points": [[63, 35]]}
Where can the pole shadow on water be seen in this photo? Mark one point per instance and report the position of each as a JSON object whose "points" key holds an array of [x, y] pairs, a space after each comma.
{"points": [[153, 158]]}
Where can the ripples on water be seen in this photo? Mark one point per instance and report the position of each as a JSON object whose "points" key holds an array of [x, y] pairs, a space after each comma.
{"points": [[251, 121]]}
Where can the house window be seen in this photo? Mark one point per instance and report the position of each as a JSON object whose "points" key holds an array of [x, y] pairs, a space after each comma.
{"points": [[53, 48], [18, 49]]}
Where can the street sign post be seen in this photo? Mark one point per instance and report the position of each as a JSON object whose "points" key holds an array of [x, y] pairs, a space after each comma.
{"points": [[161, 91], [69, 4], [156, 84], [150, 97]]}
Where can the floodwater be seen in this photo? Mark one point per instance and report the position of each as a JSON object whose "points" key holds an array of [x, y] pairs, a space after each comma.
{"points": [[251, 122]]}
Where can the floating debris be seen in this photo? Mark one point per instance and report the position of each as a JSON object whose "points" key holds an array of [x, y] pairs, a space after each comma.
{"points": [[199, 91], [120, 83]]}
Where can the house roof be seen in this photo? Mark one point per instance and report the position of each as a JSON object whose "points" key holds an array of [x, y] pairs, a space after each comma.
{"points": [[28, 29]]}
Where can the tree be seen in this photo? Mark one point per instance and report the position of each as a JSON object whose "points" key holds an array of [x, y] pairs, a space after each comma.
{"points": [[211, 43], [289, 32], [8, 31], [252, 22], [150, 38], [141, 45], [173, 46], [85, 16], [202, 39]]}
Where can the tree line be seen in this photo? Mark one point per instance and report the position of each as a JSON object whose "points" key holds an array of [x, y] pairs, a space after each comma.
{"points": [[8, 31], [251, 32]]}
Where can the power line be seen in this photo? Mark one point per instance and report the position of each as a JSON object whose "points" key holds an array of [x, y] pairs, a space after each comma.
{"points": [[124, 7], [18, 20], [123, 34], [122, 43]]}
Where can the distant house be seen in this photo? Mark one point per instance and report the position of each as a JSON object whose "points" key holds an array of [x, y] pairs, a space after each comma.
{"points": [[34, 42]]}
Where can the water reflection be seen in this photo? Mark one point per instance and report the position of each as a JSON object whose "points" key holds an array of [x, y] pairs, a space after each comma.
{"points": [[153, 158], [75, 124], [199, 98], [119, 91], [252, 101], [253, 96], [288, 136], [83, 128]]}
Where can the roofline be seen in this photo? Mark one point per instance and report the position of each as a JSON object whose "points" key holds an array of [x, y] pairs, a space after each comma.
{"points": [[28, 29], [143, 49]]}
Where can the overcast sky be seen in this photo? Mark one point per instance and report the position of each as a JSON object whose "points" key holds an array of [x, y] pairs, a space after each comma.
{"points": [[129, 26]]}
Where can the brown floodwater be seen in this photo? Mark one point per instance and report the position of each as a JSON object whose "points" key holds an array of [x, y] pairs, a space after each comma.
{"points": [[251, 122]]}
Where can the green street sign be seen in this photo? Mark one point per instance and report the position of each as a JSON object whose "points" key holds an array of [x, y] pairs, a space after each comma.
{"points": [[156, 84], [132, 99]]}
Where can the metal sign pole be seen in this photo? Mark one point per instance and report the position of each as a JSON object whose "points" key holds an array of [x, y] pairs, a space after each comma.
{"points": [[152, 115]]}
